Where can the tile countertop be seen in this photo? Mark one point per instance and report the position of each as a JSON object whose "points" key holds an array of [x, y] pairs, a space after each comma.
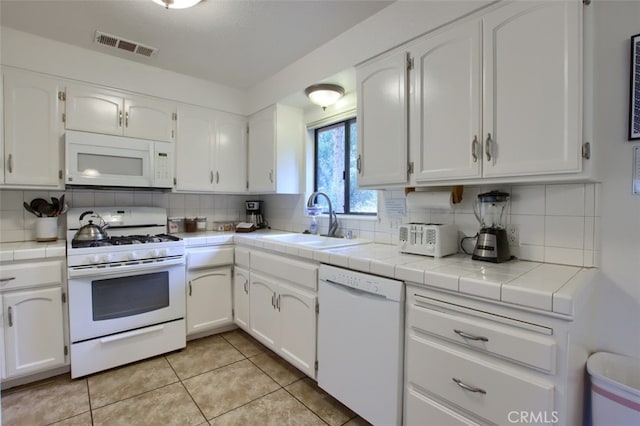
{"points": [[28, 250]]}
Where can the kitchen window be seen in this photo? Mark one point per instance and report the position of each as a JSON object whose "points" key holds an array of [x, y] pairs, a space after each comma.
{"points": [[336, 172]]}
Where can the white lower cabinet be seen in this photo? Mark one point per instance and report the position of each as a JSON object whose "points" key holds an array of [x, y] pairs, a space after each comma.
{"points": [[241, 299], [470, 362], [279, 305], [33, 318], [209, 294], [283, 317]]}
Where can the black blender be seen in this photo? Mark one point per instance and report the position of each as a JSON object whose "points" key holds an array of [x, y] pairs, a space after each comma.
{"points": [[493, 243]]}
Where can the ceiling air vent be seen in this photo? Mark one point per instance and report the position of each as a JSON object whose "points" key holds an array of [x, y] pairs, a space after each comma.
{"points": [[128, 45]]}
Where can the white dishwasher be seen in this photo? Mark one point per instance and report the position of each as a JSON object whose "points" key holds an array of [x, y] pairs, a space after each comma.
{"points": [[361, 341]]}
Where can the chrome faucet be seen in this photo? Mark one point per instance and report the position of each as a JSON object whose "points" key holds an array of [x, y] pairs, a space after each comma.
{"points": [[333, 218]]}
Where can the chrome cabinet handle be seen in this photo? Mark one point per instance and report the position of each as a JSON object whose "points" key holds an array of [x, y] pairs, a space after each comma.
{"points": [[488, 145], [273, 300], [126, 119], [217, 177], [190, 288], [246, 287], [4, 280], [211, 176], [271, 175], [359, 164], [470, 336], [474, 148], [467, 387], [278, 303], [10, 163], [10, 312], [120, 118]]}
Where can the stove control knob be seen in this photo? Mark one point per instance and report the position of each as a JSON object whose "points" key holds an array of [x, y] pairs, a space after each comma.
{"points": [[107, 258], [163, 252], [94, 259], [154, 253], [134, 256]]}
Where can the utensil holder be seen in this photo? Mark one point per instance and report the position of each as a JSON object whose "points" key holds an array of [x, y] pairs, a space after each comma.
{"points": [[46, 229]]}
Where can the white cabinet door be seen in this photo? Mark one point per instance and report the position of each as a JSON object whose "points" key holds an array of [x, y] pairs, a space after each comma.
{"points": [[196, 139], [92, 109], [382, 121], [446, 104], [98, 110], [33, 335], [275, 160], [241, 299], [209, 299], [149, 119], [297, 342], [264, 316], [230, 156], [532, 89], [262, 151], [32, 123]]}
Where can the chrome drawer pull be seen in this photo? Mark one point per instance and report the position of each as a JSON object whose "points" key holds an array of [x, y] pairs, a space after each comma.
{"points": [[4, 280], [470, 336], [467, 387]]}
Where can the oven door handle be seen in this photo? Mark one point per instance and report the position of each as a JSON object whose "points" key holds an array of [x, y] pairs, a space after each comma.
{"points": [[139, 266], [133, 333]]}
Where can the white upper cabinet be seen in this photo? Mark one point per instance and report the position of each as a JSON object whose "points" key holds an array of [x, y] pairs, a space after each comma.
{"points": [[532, 111], [93, 109], [211, 151], [32, 130], [500, 95], [276, 140], [446, 103], [382, 121]]}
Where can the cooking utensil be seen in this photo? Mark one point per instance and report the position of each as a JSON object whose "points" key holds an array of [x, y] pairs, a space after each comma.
{"points": [[28, 208], [45, 208], [91, 231], [35, 204], [55, 206], [62, 206]]}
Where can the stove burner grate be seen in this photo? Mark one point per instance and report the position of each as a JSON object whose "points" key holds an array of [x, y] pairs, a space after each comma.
{"points": [[125, 240]]}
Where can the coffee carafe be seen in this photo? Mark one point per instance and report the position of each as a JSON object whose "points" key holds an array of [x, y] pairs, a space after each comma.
{"points": [[254, 213], [493, 243]]}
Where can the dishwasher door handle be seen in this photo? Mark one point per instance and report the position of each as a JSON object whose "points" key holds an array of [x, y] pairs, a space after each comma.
{"points": [[356, 291]]}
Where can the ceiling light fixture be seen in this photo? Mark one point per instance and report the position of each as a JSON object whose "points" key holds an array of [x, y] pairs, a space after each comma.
{"points": [[176, 4], [324, 94]]}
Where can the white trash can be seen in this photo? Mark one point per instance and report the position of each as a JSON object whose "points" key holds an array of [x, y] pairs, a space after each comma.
{"points": [[615, 389]]}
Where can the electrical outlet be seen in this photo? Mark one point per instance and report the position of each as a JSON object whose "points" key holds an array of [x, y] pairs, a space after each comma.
{"points": [[513, 235]]}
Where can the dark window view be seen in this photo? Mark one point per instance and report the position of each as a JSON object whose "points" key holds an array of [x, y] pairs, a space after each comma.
{"points": [[336, 169]]}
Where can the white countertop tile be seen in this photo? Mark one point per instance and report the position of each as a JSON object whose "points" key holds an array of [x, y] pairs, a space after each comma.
{"points": [[536, 288], [31, 250]]}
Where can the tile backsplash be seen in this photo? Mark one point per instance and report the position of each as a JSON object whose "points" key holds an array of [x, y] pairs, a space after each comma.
{"points": [[16, 224], [556, 223]]}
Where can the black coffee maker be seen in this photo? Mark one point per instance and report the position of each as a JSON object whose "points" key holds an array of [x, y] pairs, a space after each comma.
{"points": [[493, 242], [254, 213]]}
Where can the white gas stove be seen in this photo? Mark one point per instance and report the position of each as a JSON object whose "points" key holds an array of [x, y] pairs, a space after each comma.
{"points": [[126, 290]]}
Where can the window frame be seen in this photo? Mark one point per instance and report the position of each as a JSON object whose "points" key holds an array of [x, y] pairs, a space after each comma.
{"points": [[346, 124]]}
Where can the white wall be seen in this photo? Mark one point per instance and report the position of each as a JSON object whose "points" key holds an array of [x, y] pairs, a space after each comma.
{"points": [[619, 310]]}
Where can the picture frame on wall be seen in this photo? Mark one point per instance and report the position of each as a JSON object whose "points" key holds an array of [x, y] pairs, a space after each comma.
{"points": [[634, 89]]}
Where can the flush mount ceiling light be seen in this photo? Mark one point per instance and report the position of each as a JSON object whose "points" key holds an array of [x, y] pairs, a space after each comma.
{"points": [[177, 4], [324, 94]]}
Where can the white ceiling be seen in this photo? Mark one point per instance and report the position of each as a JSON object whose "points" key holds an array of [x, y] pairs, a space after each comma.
{"points": [[238, 43]]}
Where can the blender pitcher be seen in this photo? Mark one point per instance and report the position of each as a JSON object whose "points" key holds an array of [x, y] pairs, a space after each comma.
{"points": [[492, 244]]}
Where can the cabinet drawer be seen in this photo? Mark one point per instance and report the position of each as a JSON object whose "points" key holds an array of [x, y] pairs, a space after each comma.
{"points": [[243, 257], [30, 274], [488, 390], [207, 257], [419, 408], [302, 273], [506, 341]]}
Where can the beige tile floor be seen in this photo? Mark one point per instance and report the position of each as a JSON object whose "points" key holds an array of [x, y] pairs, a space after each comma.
{"points": [[227, 379]]}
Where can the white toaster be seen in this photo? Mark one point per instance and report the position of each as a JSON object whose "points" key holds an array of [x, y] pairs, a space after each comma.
{"points": [[429, 239]]}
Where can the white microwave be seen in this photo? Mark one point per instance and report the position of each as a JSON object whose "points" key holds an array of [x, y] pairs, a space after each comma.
{"points": [[105, 160]]}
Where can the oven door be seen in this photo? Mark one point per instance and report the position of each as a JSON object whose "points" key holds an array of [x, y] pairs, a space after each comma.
{"points": [[108, 300]]}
